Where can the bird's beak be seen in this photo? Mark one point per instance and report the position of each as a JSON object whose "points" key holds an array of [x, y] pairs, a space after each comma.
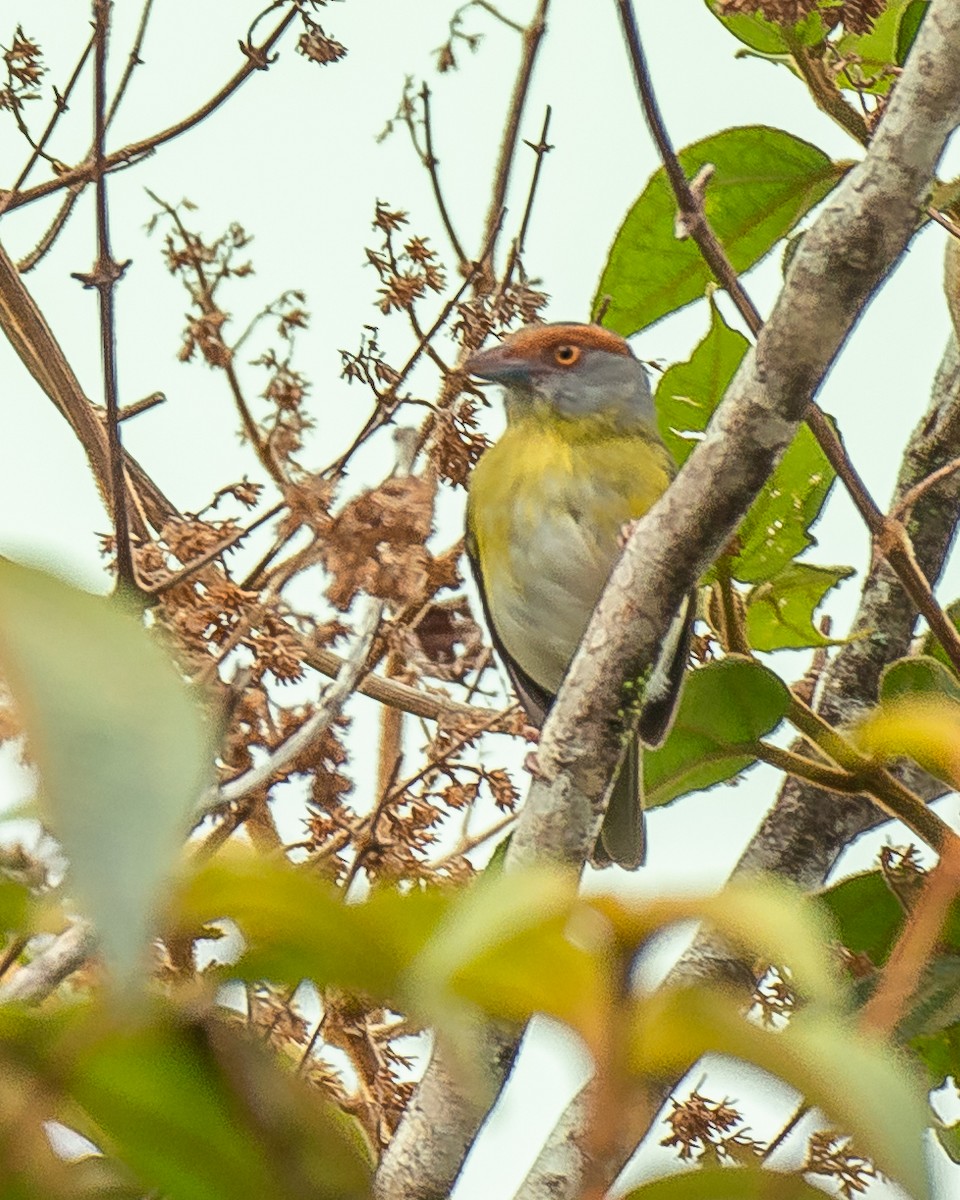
{"points": [[499, 364]]}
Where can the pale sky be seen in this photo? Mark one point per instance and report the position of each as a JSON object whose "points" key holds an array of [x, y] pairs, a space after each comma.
{"points": [[293, 158]]}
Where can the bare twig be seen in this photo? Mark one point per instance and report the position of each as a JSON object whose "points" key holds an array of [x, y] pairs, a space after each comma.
{"points": [[910, 497], [60, 108], [532, 37], [133, 61], [541, 149], [257, 59], [431, 162], [104, 277]]}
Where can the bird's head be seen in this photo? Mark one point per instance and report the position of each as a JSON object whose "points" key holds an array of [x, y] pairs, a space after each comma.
{"points": [[575, 371]]}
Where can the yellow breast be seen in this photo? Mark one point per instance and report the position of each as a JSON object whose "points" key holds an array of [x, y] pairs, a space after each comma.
{"points": [[545, 512]]}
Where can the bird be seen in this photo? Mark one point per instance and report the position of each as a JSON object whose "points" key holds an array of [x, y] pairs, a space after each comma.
{"points": [[548, 508]]}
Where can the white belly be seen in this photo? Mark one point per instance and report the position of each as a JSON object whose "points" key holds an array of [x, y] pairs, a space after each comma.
{"points": [[560, 566]]}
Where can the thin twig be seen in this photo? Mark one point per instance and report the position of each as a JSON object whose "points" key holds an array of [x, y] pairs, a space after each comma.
{"points": [[142, 406], [431, 162], [257, 59], [799, 1113], [942, 219], [59, 109], [889, 537], [133, 61], [208, 556], [466, 844], [209, 307], [541, 149], [50, 235], [532, 37], [106, 272], [912, 495]]}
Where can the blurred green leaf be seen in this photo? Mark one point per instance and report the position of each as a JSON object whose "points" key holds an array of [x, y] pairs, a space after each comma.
{"points": [[873, 54], [506, 948], [776, 529], [924, 727], [868, 915], [949, 1138], [935, 1003], [689, 392], [923, 675], [726, 1183], [868, 1090], [200, 1114], [765, 180], [910, 20], [297, 925], [14, 906], [771, 920], [725, 708], [940, 1054], [119, 742], [780, 611]]}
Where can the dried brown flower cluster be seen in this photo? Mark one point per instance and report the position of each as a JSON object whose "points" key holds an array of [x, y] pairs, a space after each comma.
{"points": [[318, 46], [832, 1155], [856, 16], [711, 1131], [24, 67]]}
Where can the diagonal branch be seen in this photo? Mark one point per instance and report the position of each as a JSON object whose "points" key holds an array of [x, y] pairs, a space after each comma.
{"points": [[887, 533]]}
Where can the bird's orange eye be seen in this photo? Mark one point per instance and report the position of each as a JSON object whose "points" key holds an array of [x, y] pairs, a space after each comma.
{"points": [[566, 355]]}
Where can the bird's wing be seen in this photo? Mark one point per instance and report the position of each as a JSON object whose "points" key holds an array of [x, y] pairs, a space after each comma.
{"points": [[663, 690], [536, 701]]}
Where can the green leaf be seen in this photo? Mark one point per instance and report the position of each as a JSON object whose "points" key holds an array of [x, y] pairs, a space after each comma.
{"points": [[765, 180], [200, 1114], [689, 392], [726, 1183], [940, 1054], [766, 36], [931, 644], [923, 675], [935, 1004], [910, 20], [780, 611], [873, 53], [867, 914], [859, 1081], [725, 708], [776, 529], [119, 742], [297, 925]]}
